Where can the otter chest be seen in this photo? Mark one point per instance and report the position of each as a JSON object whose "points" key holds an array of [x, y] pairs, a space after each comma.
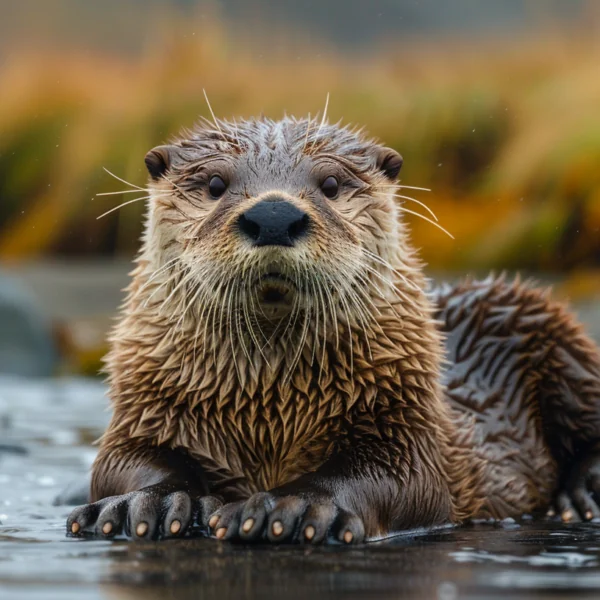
{"points": [[254, 443]]}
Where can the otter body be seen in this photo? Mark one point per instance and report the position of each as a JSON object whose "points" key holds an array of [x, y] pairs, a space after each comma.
{"points": [[278, 371], [525, 380]]}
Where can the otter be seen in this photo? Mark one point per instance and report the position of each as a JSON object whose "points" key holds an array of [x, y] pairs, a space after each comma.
{"points": [[282, 371]]}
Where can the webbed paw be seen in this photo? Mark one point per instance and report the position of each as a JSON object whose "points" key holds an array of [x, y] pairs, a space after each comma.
{"points": [[150, 513], [286, 519]]}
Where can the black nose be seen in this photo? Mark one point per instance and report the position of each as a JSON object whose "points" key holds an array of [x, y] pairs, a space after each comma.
{"points": [[274, 223]]}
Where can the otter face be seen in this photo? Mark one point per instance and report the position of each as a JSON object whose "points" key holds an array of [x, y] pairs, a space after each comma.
{"points": [[272, 218]]}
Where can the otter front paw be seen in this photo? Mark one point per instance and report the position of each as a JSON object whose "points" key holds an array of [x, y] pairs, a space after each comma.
{"points": [[150, 513], [579, 498], [286, 519]]}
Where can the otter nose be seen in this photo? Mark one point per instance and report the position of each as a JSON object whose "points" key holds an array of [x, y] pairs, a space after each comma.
{"points": [[273, 223]]}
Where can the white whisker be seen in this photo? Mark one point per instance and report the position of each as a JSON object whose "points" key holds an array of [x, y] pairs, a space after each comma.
{"points": [[386, 264], [230, 327], [363, 316], [183, 281], [308, 126], [323, 121], [333, 311], [419, 203], [121, 206], [316, 332], [238, 326], [413, 187], [166, 282], [123, 192], [137, 187], [324, 344], [158, 272], [406, 187], [348, 320], [412, 212], [216, 122]]}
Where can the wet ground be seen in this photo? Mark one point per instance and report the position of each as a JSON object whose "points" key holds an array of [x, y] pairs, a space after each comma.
{"points": [[46, 430]]}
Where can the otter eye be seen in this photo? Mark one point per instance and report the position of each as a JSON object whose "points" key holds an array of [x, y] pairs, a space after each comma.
{"points": [[216, 186], [330, 187]]}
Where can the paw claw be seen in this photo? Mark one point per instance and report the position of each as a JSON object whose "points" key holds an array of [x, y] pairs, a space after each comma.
{"points": [[277, 528], [152, 512], [309, 532], [278, 519]]}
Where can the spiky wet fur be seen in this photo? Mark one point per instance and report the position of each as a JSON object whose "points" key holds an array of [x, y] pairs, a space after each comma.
{"points": [[260, 399], [185, 370], [525, 378]]}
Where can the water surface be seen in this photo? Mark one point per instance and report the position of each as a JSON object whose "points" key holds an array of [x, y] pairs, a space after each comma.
{"points": [[46, 431]]}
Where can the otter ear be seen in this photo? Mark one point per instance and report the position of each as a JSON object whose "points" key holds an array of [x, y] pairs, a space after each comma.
{"points": [[158, 161], [389, 162]]}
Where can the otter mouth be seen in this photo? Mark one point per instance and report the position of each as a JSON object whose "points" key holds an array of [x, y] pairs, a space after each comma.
{"points": [[275, 288]]}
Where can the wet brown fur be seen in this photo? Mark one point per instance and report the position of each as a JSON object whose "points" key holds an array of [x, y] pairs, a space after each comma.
{"points": [[526, 379], [186, 373]]}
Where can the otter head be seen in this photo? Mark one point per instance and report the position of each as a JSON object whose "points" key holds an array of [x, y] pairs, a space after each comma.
{"points": [[267, 219]]}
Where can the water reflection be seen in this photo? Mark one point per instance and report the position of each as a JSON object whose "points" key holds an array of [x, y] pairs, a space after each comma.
{"points": [[477, 561]]}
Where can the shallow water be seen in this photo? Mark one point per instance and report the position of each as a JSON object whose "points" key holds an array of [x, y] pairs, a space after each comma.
{"points": [[46, 430]]}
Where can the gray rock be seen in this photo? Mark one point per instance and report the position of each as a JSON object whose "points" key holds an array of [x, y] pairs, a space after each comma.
{"points": [[26, 344]]}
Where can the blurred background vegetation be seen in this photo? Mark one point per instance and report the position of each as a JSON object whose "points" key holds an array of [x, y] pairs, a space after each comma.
{"points": [[495, 106]]}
